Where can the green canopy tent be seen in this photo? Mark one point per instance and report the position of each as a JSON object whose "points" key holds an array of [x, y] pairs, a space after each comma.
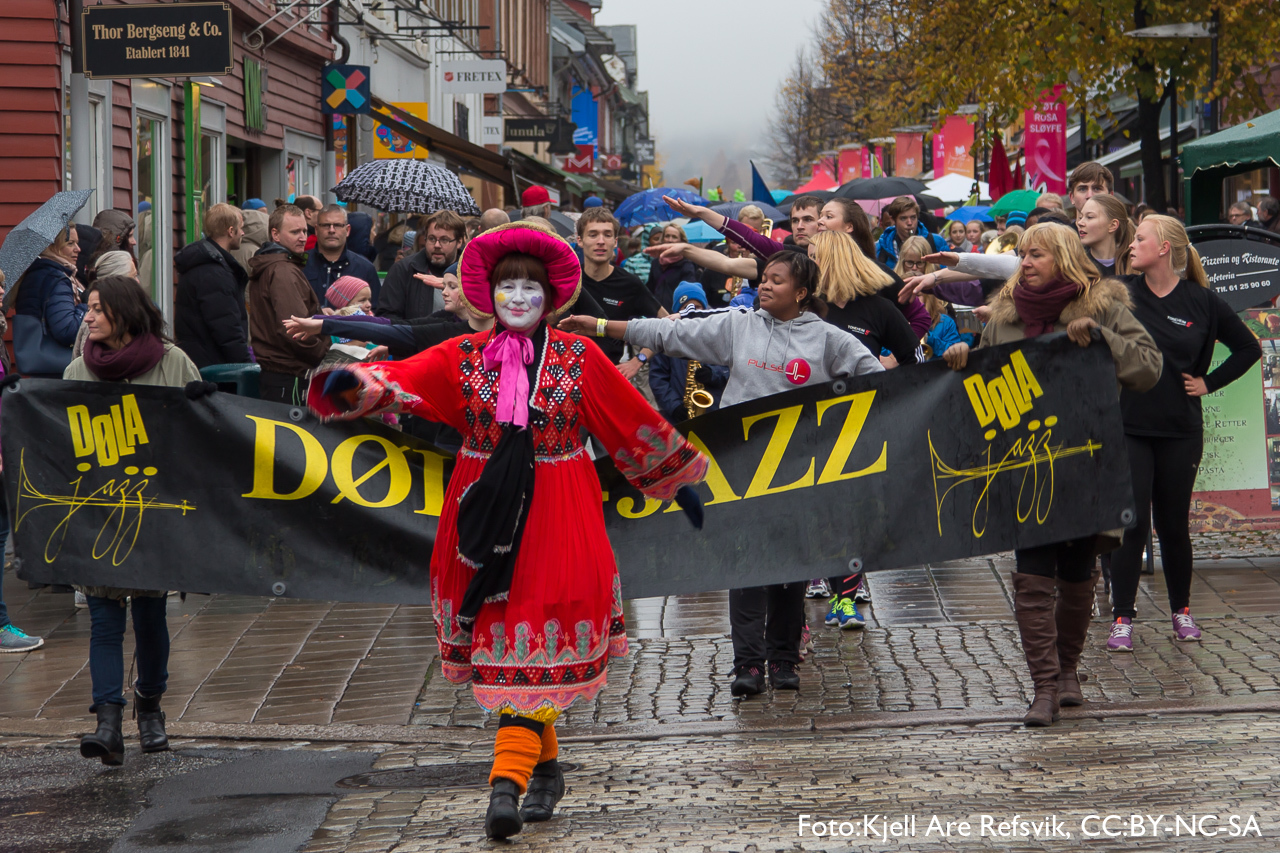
{"points": [[1250, 145]]}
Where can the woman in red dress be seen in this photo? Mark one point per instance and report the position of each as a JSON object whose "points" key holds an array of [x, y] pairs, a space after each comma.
{"points": [[525, 588]]}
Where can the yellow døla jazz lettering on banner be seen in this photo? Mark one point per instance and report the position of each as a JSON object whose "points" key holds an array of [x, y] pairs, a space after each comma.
{"points": [[110, 435]]}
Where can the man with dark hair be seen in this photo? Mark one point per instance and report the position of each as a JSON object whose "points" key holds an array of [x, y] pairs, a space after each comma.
{"points": [[804, 220], [278, 290], [1269, 213], [904, 213], [330, 259], [404, 297], [1087, 180], [310, 207], [209, 316]]}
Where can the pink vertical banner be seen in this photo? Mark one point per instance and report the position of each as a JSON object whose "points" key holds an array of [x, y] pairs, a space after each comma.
{"points": [[828, 167], [939, 152], [866, 161], [1044, 144], [908, 154], [958, 133], [850, 165]]}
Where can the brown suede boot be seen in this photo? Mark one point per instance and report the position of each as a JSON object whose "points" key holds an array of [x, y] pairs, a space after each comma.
{"points": [[1033, 605], [1072, 616]]}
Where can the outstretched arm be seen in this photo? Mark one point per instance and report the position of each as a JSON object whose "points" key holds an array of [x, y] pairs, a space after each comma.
{"points": [[705, 258]]}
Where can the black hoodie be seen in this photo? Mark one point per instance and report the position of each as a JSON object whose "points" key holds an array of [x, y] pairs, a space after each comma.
{"points": [[210, 322]]}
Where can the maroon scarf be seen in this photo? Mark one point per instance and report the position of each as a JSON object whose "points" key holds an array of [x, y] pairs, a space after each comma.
{"points": [[1040, 307], [133, 359]]}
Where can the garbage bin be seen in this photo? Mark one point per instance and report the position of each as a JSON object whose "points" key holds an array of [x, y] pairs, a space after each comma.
{"points": [[239, 378]]}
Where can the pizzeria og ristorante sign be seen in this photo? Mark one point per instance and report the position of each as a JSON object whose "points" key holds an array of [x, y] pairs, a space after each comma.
{"points": [[156, 40]]}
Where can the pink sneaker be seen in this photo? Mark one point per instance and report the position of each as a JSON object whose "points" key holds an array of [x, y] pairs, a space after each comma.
{"points": [[806, 643], [1184, 627], [1121, 639]]}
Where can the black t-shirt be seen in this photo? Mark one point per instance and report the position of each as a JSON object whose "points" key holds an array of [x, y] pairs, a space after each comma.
{"points": [[622, 296], [1185, 324], [877, 324]]}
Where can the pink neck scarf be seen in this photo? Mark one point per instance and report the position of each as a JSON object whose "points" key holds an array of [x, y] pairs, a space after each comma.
{"points": [[511, 351]]}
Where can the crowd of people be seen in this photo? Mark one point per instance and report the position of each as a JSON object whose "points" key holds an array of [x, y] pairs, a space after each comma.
{"points": [[511, 352]]}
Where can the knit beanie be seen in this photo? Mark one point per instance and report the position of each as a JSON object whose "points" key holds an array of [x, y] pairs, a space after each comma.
{"points": [[343, 291], [686, 291]]}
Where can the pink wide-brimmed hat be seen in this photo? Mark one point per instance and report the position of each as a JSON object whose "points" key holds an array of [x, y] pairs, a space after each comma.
{"points": [[482, 254]]}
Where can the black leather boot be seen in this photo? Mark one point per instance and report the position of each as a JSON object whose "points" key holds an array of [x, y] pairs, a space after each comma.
{"points": [[106, 743], [502, 820], [151, 734], [546, 787]]}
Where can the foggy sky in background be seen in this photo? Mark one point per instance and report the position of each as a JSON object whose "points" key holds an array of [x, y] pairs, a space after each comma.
{"points": [[712, 69]]}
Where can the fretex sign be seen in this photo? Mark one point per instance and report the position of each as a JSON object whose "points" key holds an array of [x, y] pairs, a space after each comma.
{"points": [[156, 40], [474, 77]]}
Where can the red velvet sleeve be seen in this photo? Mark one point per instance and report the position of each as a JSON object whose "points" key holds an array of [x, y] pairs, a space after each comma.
{"points": [[649, 452], [425, 385]]}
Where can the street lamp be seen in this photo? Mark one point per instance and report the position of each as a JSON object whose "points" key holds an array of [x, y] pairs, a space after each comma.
{"points": [[1192, 30]]}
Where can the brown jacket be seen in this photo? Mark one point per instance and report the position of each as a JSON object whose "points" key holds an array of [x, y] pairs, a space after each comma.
{"points": [[1138, 359], [278, 290]]}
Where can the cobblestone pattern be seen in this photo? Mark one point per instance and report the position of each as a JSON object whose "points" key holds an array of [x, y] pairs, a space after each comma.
{"points": [[942, 667], [744, 793]]}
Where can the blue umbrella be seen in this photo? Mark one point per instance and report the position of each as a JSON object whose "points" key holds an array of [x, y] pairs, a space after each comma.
{"points": [[698, 231], [780, 195], [647, 206], [970, 213], [731, 209], [34, 234]]}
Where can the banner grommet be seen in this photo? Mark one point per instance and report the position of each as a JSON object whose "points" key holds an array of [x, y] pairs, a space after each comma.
{"points": [[277, 588]]}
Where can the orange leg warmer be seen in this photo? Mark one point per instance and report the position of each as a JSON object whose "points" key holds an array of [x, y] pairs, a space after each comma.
{"points": [[550, 746], [515, 752]]}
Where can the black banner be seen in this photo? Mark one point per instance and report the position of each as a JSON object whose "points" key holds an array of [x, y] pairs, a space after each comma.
{"points": [[530, 129], [136, 486], [156, 40]]}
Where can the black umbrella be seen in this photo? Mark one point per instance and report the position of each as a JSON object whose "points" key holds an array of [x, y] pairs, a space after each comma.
{"points": [[413, 186], [822, 195], [883, 187]]}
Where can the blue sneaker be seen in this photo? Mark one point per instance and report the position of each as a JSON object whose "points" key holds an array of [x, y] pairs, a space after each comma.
{"points": [[13, 640], [847, 615], [833, 615]]}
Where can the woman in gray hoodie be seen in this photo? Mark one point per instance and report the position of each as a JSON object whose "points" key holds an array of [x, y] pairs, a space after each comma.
{"points": [[780, 346]]}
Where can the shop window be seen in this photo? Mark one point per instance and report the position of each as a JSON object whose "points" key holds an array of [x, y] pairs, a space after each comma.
{"points": [[152, 185]]}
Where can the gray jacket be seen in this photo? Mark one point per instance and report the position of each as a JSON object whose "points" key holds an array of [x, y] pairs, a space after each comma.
{"points": [[764, 356]]}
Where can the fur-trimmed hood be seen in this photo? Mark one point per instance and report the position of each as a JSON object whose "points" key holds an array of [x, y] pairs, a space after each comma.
{"points": [[1097, 303]]}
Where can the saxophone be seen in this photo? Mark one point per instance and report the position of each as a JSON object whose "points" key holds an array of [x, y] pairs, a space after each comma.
{"points": [[697, 399]]}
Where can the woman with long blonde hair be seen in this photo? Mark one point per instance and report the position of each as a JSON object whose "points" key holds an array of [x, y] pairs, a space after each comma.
{"points": [[1057, 288], [1163, 426]]}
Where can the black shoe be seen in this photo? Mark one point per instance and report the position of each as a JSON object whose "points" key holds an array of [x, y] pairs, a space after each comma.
{"points": [[106, 743], [783, 676], [502, 820], [749, 681], [151, 734], [546, 787]]}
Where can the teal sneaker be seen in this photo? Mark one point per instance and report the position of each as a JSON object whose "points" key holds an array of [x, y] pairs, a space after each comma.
{"points": [[847, 615], [13, 640]]}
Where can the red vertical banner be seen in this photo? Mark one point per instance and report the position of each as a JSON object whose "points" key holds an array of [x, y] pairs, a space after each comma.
{"points": [[865, 160], [908, 154], [939, 152], [958, 133], [850, 165], [908, 151], [828, 167], [1045, 143]]}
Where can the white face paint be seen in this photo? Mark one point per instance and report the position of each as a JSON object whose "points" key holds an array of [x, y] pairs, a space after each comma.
{"points": [[519, 303]]}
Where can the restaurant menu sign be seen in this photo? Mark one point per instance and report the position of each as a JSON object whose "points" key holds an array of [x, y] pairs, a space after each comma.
{"points": [[156, 40]]}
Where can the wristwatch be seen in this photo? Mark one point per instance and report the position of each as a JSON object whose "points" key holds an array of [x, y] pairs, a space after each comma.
{"points": [[642, 358]]}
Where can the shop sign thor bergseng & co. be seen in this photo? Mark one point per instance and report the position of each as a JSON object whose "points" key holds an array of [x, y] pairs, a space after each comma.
{"points": [[156, 40]]}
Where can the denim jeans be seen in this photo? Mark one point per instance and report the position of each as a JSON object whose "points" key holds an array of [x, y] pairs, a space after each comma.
{"points": [[106, 648]]}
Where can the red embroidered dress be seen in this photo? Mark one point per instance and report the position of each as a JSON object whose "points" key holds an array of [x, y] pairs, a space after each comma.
{"points": [[548, 643]]}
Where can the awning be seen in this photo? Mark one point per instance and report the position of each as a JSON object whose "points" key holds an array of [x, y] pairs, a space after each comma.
{"points": [[476, 159], [1250, 145]]}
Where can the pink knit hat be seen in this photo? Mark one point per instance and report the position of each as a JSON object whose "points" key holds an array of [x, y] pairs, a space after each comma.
{"points": [[343, 291]]}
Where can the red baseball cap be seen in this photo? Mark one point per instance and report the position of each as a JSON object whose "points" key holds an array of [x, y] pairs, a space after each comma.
{"points": [[535, 196]]}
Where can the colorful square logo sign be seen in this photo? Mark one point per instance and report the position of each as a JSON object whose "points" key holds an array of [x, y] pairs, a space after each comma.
{"points": [[344, 89]]}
